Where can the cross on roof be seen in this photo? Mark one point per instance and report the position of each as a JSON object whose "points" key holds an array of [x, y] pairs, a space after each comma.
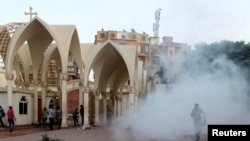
{"points": [[30, 13]]}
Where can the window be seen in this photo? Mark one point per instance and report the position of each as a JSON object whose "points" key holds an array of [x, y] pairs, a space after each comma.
{"points": [[143, 38], [52, 81], [123, 37], [143, 50], [23, 106], [133, 36], [102, 35], [154, 51], [112, 35], [21, 67], [156, 60]]}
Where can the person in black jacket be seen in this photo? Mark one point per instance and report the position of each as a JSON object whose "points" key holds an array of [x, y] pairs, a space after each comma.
{"points": [[2, 114], [82, 113]]}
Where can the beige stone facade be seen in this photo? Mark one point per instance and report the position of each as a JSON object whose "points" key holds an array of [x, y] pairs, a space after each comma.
{"points": [[141, 41], [162, 54]]}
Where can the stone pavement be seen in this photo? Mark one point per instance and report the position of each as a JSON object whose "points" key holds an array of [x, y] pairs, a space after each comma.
{"points": [[33, 133]]}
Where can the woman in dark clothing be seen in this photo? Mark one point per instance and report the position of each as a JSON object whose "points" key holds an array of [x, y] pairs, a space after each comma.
{"points": [[82, 113], [74, 115]]}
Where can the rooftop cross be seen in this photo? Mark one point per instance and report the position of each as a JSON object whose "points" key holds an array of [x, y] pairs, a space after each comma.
{"points": [[30, 13]]}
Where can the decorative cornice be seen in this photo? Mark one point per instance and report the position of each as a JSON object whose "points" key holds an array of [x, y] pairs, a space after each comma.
{"points": [[80, 83], [35, 82], [44, 84], [9, 76], [86, 89], [64, 76]]}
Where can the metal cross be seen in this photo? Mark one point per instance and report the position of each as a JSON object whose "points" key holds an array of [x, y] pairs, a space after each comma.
{"points": [[30, 13]]}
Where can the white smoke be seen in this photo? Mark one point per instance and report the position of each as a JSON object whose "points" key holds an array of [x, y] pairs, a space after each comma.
{"points": [[218, 86]]}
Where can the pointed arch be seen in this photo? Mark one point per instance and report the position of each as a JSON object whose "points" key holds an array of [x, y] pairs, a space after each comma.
{"points": [[23, 33], [127, 53]]}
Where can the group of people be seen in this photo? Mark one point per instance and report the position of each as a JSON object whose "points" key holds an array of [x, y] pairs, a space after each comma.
{"points": [[75, 115], [10, 116], [55, 116]]}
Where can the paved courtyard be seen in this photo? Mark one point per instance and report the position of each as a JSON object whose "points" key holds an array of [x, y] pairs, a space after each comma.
{"points": [[34, 133]]}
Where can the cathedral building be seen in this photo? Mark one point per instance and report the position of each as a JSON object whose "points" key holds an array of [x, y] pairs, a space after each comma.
{"points": [[44, 65]]}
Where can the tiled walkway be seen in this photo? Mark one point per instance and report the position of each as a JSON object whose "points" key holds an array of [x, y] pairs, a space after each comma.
{"points": [[75, 133]]}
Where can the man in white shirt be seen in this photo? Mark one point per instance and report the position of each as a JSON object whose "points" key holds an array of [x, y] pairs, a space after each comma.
{"points": [[51, 116]]}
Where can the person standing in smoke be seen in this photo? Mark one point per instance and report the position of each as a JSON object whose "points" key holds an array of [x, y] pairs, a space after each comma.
{"points": [[198, 116]]}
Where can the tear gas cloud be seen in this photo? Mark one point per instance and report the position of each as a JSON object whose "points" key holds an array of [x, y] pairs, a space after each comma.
{"points": [[219, 86]]}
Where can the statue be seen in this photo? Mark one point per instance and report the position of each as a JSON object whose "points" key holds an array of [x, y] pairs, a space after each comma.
{"points": [[157, 15], [156, 24]]}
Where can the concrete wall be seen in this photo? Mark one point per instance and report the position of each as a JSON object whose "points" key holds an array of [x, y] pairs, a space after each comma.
{"points": [[23, 119]]}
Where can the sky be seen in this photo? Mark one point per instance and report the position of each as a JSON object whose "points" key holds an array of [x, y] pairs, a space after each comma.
{"points": [[188, 21]]}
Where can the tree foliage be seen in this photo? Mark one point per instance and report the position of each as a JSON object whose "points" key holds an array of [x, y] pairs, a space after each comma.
{"points": [[238, 52]]}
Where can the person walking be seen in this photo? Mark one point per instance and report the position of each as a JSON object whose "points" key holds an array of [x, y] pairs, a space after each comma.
{"points": [[51, 116], [59, 117], [82, 113], [197, 114], [2, 115], [44, 116], [11, 118]]}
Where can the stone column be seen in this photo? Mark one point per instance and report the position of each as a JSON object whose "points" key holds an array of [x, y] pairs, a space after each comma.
{"points": [[97, 106], [115, 108], [35, 100], [80, 92], [136, 102], [9, 77], [86, 91], [119, 107], [44, 92], [131, 98], [64, 77], [104, 110], [131, 91]]}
